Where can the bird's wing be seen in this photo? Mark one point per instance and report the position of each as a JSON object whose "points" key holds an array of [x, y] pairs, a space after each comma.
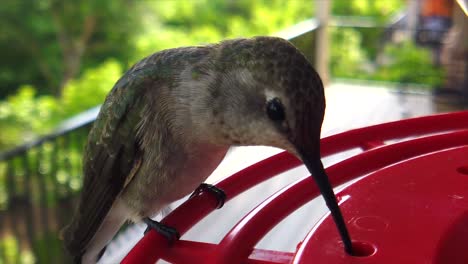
{"points": [[111, 153]]}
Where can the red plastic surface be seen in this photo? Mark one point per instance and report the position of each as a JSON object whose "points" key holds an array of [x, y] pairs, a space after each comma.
{"points": [[378, 202], [411, 212]]}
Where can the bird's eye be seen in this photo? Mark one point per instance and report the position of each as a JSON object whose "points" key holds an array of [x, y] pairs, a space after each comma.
{"points": [[275, 109]]}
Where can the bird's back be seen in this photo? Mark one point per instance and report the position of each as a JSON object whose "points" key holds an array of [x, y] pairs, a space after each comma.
{"points": [[113, 146], [109, 156]]}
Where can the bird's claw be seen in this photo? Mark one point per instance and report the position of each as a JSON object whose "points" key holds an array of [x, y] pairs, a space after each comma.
{"points": [[219, 194], [168, 232]]}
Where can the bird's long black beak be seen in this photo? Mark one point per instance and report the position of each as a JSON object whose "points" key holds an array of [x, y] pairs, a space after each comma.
{"points": [[311, 158]]}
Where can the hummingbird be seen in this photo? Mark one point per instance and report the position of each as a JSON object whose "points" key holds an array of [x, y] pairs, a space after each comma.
{"points": [[169, 120]]}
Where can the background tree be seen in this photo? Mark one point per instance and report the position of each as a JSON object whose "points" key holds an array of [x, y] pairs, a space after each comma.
{"points": [[46, 43]]}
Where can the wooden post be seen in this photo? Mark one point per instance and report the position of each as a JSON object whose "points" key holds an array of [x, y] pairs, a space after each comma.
{"points": [[412, 18], [455, 52], [323, 8]]}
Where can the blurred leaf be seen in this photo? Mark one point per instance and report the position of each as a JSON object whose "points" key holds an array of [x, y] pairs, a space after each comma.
{"points": [[408, 63], [179, 23], [347, 57], [381, 10], [91, 89], [44, 42], [24, 116]]}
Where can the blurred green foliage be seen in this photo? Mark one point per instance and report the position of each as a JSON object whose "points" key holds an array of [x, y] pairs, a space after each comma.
{"points": [[347, 58], [46, 43], [355, 51], [13, 254], [24, 115], [379, 10], [407, 63], [399, 62], [205, 21]]}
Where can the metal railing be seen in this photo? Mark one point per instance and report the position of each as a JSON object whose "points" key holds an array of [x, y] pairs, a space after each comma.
{"points": [[38, 183]]}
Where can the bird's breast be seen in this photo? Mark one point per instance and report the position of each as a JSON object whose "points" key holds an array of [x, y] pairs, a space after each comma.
{"points": [[154, 187], [198, 166]]}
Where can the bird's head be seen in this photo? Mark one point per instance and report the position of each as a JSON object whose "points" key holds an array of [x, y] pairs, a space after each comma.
{"points": [[265, 92]]}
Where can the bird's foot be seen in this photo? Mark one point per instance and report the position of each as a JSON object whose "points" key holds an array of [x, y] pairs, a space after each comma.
{"points": [[168, 232], [220, 194]]}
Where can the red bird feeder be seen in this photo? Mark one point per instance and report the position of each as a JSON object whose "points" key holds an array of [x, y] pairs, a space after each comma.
{"points": [[411, 206]]}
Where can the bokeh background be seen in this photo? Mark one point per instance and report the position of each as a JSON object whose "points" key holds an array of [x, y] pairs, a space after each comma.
{"points": [[60, 58]]}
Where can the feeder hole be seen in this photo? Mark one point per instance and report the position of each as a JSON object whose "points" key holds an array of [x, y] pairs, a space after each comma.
{"points": [[463, 170], [363, 249]]}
